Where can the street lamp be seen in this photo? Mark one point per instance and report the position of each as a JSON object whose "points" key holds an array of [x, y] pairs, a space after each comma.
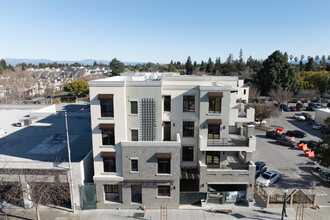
{"points": [[70, 168], [284, 204]]}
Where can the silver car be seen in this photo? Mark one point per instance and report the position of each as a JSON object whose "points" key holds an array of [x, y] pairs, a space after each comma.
{"points": [[268, 178]]}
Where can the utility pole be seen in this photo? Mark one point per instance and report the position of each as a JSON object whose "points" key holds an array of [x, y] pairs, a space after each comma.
{"points": [[70, 168]]}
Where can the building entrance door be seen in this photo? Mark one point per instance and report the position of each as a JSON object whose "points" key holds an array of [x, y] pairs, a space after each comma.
{"points": [[136, 191]]}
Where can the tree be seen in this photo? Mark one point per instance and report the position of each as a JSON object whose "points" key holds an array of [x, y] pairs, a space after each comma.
{"points": [[296, 59], [116, 67], [94, 64], [189, 67], [209, 66], [281, 96], [217, 66], [254, 93], [79, 87], [264, 111], [323, 59], [322, 150], [310, 65], [42, 186], [276, 73], [291, 57], [241, 65], [317, 57]]}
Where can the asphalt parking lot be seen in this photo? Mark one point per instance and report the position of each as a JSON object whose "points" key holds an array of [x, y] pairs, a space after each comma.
{"points": [[291, 163]]}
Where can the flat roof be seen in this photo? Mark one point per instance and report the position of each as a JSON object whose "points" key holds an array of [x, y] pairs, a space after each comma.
{"points": [[45, 139]]}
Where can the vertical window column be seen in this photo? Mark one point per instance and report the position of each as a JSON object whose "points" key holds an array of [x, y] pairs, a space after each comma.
{"points": [[109, 161], [106, 103], [108, 134]]}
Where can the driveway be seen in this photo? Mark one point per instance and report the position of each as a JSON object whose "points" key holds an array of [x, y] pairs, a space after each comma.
{"points": [[291, 163]]}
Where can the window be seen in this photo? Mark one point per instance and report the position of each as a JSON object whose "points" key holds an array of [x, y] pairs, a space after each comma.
{"points": [[214, 104], [134, 134], [111, 193], [244, 91], [212, 159], [167, 103], [108, 136], [213, 131], [164, 190], [134, 165], [167, 131], [109, 164], [188, 129], [188, 103], [164, 166], [134, 107], [106, 108], [187, 153]]}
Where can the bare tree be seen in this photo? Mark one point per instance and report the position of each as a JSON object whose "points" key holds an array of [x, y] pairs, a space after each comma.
{"points": [[254, 93], [264, 111], [38, 186], [281, 96], [308, 94]]}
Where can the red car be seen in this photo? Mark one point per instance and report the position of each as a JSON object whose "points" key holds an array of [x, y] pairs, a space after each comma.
{"points": [[292, 108]]}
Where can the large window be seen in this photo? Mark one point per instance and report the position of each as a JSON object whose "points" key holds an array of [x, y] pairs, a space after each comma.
{"points": [[167, 131], [135, 135], [164, 190], [167, 103], [134, 165], [188, 103], [212, 159], [108, 136], [215, 104], [109, 164], [111, 193], [188, 129], [164, 166], [187, 153], [134, 107], [213, 131], [106, 108]]}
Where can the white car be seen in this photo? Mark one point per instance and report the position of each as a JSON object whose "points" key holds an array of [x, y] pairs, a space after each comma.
{"points": [[259, 122], [268, 178], [299, 116], [317, 126], [318, 167]]}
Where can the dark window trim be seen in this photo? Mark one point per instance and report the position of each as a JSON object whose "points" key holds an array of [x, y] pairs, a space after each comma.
{"points": [[137, 135], [107, 167], [164, 190], [189, 103], [167, 103], [186, 157], [136, 110], [164, 166], [188, 129], [137, 165], [215, 104]]}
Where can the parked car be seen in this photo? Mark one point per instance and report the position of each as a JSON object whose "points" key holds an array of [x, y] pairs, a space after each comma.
{"points": [[325, 130], [299, 116], [268, 178], [261, 167], [312, 107], [296, 133], [286, 141], [259, 122], [273, 134], [325, 175], [300, 105], [310, 143], [318, 167], [293, 109], [285, 108], [307, 116], [317, 126]]}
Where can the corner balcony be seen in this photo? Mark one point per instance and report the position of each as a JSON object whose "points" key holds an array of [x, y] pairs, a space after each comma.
{"points": [[240, 113]]}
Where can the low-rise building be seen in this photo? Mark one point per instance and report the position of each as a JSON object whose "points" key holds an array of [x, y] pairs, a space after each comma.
{"points": [[165, 139]]}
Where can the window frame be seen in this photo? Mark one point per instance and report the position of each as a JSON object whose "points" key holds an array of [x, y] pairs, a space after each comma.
{"points": [[188, 130], [211, 134], [111, 190], [162, 190], [167, 103], [109, 165], [213, 107], [189, 103], [106, 105], [137, 134], [137, 110], [110, 140], [167, 124], [164, 166], [191, 157], [137, 165]]}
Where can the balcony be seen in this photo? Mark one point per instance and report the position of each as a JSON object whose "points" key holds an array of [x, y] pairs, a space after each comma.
{"points": [[234, 142], [240, 113]]}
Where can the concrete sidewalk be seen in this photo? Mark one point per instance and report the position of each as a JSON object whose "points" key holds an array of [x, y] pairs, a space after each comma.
{"points": [[195, 213]]}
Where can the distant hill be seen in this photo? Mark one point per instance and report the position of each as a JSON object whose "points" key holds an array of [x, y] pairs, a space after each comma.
{"points": [[14, 61]]}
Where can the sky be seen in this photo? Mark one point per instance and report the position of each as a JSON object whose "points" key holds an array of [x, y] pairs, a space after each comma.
{"points": [[161, 31]]}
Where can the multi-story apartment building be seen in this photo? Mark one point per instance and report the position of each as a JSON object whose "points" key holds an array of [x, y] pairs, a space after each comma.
{"points": [[157, 136]]}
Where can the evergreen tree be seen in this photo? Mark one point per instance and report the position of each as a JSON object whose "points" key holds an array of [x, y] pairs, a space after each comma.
{"points": [[189, 67], [209, 66], [310, 65], [116, 67], [203, 66], [217, 66], [276, 73]]}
